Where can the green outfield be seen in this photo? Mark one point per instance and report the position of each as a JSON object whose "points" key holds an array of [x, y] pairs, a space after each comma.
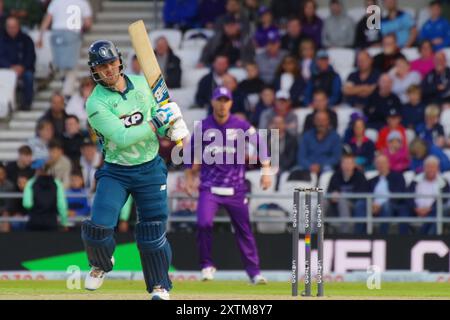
{"points": [[115, 289]]}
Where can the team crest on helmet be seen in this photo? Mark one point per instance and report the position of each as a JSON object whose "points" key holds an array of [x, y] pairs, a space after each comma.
{"points": [[103, 52]]}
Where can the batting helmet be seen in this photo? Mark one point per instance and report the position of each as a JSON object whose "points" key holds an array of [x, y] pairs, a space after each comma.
{"points": [[100, 52]]}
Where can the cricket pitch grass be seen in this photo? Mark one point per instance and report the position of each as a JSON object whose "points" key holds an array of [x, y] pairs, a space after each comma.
{"points": [[218, 290]]}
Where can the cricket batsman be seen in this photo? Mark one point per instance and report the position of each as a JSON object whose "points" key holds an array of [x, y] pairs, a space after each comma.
{"points": [[127, 120], [223, 184]]}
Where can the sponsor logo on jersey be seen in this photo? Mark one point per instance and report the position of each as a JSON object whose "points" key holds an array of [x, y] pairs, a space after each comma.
{"points": [[133, 120]]}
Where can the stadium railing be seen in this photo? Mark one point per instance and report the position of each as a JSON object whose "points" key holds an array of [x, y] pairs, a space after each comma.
{"points": [[369, 219]]}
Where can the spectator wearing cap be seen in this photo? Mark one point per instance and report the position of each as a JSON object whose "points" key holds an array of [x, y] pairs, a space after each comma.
{"points": [[231, 41], [436, 29], [270, 58], [307, 53], [265, 25], [293, 37], [90, 161], [386, 182], [394, 123], [39, 144], [77, 103], [361, 146], [425, 63], [429, 183], [432, 132], [385, 60], [73, 139], [17, 54], [288, 78], [252, 85], [364, 37], [397, 152], [312, 24], [21, 166], [169, 63], [212, 80], [361, 83], [283, 109], [180, 14], [324, 78], [420, 149], [402, 78], [56, 114], [266, 102], [59, 166], [320, 148], [320, 103], [348, 179], [240, 104], [380, 102], [44, 198], [413, 112], [400, 23], [338, 28], [436, 85], [209, 11]]}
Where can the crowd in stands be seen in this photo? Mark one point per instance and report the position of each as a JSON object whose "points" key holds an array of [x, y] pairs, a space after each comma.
{"points": [[284, 47]]}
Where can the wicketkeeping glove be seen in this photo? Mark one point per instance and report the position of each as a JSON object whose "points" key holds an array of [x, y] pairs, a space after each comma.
{"points": [[178, 130], [166, 114]]}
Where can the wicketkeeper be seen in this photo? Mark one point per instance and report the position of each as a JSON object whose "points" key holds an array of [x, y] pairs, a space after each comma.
{"points": [[126, 118]]}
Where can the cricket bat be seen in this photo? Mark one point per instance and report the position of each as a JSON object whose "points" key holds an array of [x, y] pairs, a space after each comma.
{"points": [[149, 65]]}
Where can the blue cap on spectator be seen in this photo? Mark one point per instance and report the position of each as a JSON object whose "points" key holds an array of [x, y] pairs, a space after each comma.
{"points": [[394, 112], [222, 92], [322, 54], [273, 36], [263, 10], [38, 163], [357, 116]]}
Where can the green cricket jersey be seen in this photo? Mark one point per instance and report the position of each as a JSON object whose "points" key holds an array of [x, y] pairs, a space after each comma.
{"points": [[121, 122]]}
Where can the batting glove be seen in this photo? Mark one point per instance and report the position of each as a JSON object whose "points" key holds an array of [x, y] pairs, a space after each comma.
{"points": [[166, 114], [178, 130]]}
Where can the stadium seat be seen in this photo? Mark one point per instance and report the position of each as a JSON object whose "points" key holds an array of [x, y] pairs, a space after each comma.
{"points": [[191, 77], [324, 180], [356, 13], [344, 72], [183, 96], [343, 118], [446, 176], [408, 176], [173, 36], [192, 115], [373, 51], [44, 56], [447, 54], [445, 121], [262, 196], [189, 57], [410, 10], [286, 187], [371, 174], [372, 134], [410, 135], [323, 12], [239, 73], [342, 57], [447, 152], [301, 114], [8, 82], [196, 38], [411, 53], [422, 17]]}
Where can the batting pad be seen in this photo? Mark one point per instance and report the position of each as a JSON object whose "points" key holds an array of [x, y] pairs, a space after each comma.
{"points": [[99, 244], [155, 254]]}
